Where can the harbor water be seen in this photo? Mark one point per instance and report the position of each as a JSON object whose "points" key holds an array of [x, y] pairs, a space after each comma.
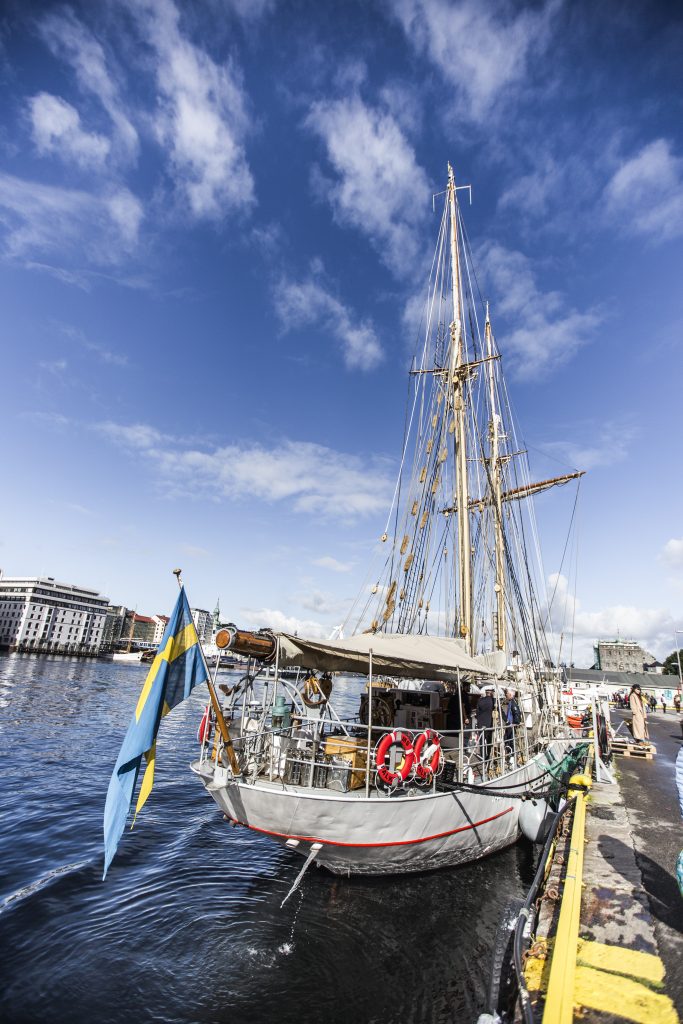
{"points": [[188, 925]]}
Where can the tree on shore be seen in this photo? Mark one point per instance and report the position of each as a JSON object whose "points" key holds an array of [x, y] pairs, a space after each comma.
{"points": [[671, 663]]}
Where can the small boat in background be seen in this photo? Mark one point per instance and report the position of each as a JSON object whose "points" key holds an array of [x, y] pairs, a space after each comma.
{"points": [[132, 656]]}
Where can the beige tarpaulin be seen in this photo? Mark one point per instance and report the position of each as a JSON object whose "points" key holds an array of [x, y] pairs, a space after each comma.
{"points": [[394, 654]]}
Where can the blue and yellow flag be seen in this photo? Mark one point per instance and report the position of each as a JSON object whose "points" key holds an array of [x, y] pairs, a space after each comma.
{"points": [[177, 668]]}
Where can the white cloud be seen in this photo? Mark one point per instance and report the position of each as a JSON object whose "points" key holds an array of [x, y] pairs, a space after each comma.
{"points": [[77, 278], [312, 479], [403, 103], [101, 351], [381, 190], [248, 10], [125, 211], [610, 443], [482, 49], [41, 219], [323, 604], [137, 435], [652, 628], [672, 553], [56, 366], [71, 506], [301, 304], [547, 334], [71, 41], [193, 551], [261, 618], [328, 562], [534, 193], [645, 196], [57, 129], [53, 420], [202, 116]]}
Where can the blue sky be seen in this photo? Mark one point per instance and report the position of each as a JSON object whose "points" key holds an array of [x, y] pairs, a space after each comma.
{"points": [[215, 226]]}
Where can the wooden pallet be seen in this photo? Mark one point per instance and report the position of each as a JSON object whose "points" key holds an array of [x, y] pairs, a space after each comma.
{"points": [[646, 751]]}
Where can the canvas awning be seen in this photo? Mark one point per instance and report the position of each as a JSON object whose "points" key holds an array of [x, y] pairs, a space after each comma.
{"points": [[393, 654]]}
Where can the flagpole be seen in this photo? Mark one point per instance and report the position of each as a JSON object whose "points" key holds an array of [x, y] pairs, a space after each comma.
{"points": [[218, 711]]}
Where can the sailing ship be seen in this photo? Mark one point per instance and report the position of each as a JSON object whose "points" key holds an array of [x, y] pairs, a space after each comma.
{"points": [[454, 609]]}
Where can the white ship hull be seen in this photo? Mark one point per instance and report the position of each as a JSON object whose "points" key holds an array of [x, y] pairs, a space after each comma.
{"points": [[380, 835]]}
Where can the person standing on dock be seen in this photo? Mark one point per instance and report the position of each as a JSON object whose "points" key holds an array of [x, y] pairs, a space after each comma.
{"points": [[635, 703], [485, 708]]}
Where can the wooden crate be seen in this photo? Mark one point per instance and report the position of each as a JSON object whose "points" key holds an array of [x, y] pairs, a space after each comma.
{"points": [[354, 752]]}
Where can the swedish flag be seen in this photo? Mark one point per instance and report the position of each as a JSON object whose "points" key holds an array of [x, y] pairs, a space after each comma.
{"points": [[177, 668]]}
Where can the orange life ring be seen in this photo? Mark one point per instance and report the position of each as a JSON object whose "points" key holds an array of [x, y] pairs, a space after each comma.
{"points": [[431, 768], [405, 768], [205, 726]]}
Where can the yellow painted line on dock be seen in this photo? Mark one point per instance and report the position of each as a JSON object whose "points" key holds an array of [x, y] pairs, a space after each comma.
{"points": [[621, 997], [617, 960], [559, 1004], [577, 975]]}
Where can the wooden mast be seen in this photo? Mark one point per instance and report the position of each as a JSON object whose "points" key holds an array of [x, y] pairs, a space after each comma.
{"points": [[495, 482], [458, 374]]}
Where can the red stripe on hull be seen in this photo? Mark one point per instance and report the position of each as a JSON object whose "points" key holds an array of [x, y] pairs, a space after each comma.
{"points": [[399, 842]]}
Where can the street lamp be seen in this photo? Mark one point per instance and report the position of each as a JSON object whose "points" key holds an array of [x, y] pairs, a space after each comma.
{"points": [[678, 657]]}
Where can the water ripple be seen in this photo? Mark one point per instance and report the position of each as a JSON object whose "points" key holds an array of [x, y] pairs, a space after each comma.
{"points": [[188, 925]]}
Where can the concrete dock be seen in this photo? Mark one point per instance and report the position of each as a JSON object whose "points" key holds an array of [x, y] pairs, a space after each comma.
{"points": [[627, 950]]}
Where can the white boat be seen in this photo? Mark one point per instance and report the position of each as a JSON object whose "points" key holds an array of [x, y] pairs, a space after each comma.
{"points": [[455, 600]]}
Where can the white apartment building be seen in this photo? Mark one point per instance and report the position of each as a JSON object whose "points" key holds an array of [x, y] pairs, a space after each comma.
{"points": [[160, 624], [41, 614], [203, 622]]}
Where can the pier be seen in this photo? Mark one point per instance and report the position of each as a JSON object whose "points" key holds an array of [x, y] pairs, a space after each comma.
{"points": [[606, 944]]}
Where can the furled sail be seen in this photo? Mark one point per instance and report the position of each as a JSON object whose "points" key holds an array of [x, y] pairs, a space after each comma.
{"points": [[395, 654]]}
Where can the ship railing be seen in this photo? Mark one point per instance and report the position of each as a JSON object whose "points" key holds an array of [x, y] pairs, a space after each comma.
{"points": [[300, 755]]}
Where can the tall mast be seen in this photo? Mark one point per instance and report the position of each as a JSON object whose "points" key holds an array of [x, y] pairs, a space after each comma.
{"points": [[457, 376], [496, 499]]}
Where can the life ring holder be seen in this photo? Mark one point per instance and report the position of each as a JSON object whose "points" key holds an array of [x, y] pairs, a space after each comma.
{"points": [[205, 726], [404, 769], [316, 692], [426, 771]]}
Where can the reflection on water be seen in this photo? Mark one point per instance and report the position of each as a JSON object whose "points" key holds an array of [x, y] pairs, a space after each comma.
{"points": [[188, 925]]}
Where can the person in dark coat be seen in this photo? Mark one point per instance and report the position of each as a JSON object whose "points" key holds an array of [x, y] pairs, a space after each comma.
{"points": [[485, 720], [454, 720], [513, 717]]}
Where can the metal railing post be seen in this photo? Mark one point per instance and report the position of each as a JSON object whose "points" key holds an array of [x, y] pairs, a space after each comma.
{"points": [[367, 763]]}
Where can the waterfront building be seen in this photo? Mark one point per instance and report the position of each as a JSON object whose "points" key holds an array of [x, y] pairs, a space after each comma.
{"points": [[651, 683], [40, 614], [160, 623], [203, 621], [143, 631], [622, 656], [114, 628]]}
